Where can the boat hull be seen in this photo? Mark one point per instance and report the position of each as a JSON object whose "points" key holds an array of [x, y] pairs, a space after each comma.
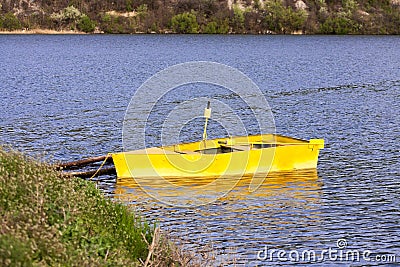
{"points": [[250, 155]]}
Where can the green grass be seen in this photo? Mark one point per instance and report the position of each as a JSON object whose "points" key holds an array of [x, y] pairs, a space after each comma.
{"points": [[51, 220]]}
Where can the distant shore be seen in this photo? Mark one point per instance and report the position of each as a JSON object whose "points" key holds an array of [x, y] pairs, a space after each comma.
{"points": [[64, 32], [41, 31], [209, 17]]}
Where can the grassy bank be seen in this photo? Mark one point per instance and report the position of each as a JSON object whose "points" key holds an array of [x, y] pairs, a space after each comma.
{"points": [[50, 220]]}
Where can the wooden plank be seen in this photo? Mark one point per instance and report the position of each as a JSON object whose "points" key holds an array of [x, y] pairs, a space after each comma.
{"points": [[82, 162], [88, 174]]}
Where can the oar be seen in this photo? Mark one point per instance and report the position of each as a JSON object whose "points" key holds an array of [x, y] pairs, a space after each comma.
{"points": [[207, 115]]}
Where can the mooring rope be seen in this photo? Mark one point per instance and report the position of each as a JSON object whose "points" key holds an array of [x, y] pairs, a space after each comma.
{"points": [[101, 166]]}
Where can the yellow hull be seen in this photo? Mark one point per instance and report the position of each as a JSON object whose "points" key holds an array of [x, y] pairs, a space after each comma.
{"points": [[236, 156]]}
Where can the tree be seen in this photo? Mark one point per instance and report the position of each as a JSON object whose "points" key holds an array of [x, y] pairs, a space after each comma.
{"points": [[184, 23], [69, 16], [10, 22], [238, 19], [274, 14], [257, 5], [129, 7], [85, 24], [282, 19], [339, 25], [295, 20], [216, 27], [210, 28]]}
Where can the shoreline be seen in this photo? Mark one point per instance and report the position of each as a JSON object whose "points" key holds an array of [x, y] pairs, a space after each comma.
{"points": [[74, 32], [41, 31]]}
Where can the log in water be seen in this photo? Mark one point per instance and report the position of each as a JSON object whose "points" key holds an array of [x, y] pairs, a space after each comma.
{"points": [[93, 173], [78, 165], [83, 162]]}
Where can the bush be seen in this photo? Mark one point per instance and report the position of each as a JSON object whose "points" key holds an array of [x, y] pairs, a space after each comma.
{"points": [[85, 24], [184, 23], [237, 19], [282, 19], [70, 17], [48, 219], [210, 28], [216, 28], [14, 251], [339, 25], [10, 22]]}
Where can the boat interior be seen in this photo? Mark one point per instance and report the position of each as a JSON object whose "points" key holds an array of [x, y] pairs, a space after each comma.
{"points": [[225, 145]]}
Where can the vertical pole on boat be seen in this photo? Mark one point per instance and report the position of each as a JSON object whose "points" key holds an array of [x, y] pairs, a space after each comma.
{"points": [[207, 115]]}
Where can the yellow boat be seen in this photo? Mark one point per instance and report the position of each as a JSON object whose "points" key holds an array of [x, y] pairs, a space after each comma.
{"points": [[248, 155], [254, 155]]}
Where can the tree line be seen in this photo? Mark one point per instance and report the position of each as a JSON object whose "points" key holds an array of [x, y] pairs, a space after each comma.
{"points": [[205, 16]]}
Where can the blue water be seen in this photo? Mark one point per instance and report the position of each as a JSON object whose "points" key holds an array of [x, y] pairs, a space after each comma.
{"points": [[64, 98]]}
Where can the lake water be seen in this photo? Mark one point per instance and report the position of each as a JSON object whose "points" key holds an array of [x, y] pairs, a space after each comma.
{"points": [[64, 97]]}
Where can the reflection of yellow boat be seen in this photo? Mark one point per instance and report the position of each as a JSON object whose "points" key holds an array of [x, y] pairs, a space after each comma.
{"points": [[298, 187], [234, 156]]}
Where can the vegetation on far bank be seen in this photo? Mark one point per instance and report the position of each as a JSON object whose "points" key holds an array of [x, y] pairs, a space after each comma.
{"points": [[51, 220], [204, 16]]}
